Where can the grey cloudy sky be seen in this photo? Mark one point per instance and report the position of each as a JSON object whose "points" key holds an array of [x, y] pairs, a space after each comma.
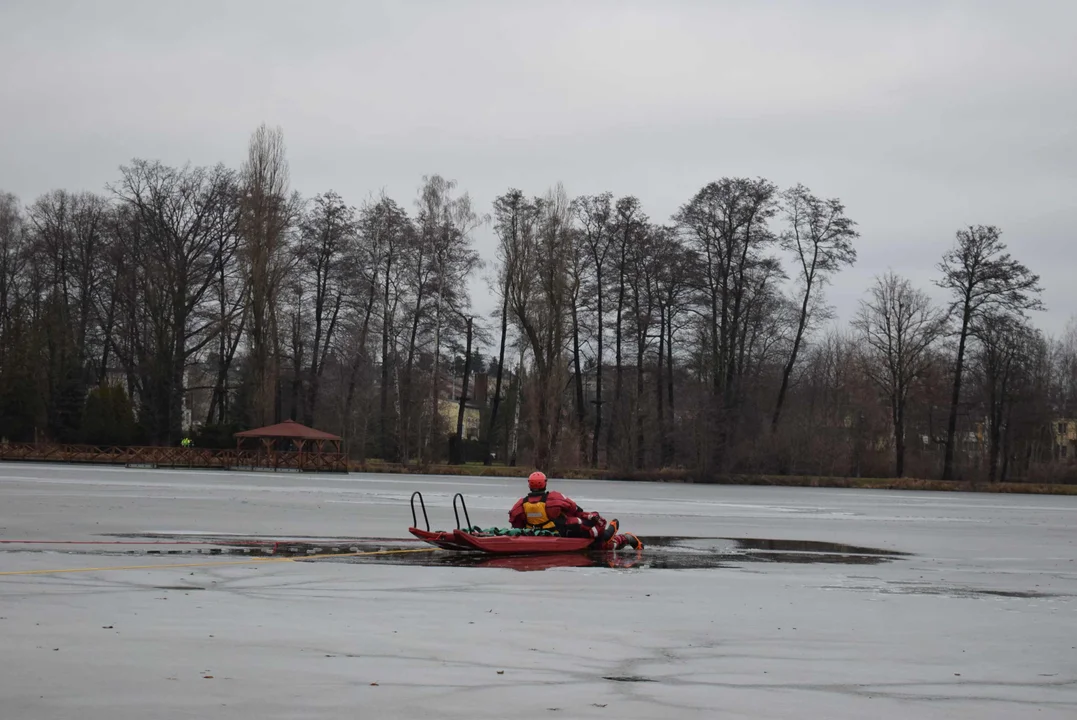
{"points": [[923, 117]]}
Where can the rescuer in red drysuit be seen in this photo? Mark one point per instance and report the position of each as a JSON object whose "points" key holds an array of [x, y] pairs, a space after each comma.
{"points": [[550, 510]]}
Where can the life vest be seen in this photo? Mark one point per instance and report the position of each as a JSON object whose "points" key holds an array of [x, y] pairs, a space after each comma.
{"points": [[535, 512]]}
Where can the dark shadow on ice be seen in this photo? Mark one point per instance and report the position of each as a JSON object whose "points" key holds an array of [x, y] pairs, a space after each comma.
{"points": [[810, 546], [898, 587], [659, 553]]}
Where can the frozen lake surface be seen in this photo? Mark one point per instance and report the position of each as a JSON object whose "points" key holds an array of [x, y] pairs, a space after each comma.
{"points": [[977, 620]]}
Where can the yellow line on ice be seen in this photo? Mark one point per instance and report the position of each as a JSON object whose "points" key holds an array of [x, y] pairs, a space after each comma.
{"points": [[248, 561]]}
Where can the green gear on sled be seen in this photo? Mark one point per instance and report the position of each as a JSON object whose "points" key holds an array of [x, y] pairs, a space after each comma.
{"points": [[513, 532]]}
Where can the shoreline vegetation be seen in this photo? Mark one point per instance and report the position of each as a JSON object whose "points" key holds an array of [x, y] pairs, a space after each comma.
{"points": [[685, 476], [698, 337], [668, 475]]}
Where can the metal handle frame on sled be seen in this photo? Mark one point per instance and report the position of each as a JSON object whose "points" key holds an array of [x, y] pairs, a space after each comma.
{"points": [[458, 497], [467, 518], [414, 519]]}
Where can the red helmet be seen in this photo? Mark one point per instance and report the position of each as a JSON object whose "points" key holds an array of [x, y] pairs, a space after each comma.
{"points": [[537, 481]]}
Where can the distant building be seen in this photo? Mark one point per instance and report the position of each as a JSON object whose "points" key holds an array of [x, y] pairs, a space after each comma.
{"points": [[472, 417], [449, 403], [1064, 432]]}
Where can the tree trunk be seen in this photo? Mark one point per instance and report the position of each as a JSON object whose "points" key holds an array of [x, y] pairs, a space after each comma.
{"points": [[110, 321], [435, 376], [659, 390], [672, 448], [955, 398], [222, 337], [999, 410], [277, 386], [640, 448], [405, 405], [320, 355], [714, 332], [581, 415], [899, 432], [360, 355], [175, 385], [792, 359], [598, 376], [217, 398], [386, 325], [514, 442], [497, 383], [542, 413], [458, 450], [313, 372], [297, 363], [263, 334], [618, 387], [1006, 450], [360, 444], [993, 447]]}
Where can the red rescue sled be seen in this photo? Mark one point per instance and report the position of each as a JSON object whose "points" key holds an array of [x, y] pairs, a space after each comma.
{"points": [[441, 538], [521, 544], [543, 561], [462, 539]]}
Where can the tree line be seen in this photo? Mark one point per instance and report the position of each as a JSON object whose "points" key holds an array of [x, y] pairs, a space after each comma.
{"points": [[221, 299]]}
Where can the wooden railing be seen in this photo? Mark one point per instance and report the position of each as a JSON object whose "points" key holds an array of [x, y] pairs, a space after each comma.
{"points": [[173, 457]]}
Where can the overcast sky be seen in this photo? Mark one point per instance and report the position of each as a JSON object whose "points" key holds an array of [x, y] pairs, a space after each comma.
{"points": [[923, 117]]}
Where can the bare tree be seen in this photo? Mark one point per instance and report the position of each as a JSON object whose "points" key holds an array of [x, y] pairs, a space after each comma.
{"points": [[629, 227], [643, 278], [514, 224], [675, 278], [127, 334], [820, 237], [70, 236], [385, 231], [726, 223], [897, 326], [325, 253], [231, 296], [417, 276], [20, 398], [982, 277], [823, 426], [595, 216], [269, 213], [578, 273], [180, 217], [1005, 346], [445, 224], [12, 266], [540, 293]]}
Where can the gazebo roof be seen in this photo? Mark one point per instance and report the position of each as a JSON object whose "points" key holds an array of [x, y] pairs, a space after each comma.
{"points": [[288, 429]]}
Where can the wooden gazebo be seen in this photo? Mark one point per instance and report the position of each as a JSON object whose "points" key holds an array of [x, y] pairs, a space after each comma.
{"points": [[290, 445]]}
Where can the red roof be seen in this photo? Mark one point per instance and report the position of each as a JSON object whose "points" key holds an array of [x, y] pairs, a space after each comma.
{"points": [[287, 429]]}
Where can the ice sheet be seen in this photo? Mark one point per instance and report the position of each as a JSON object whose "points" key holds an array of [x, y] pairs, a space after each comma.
{"points": [[979, 622]]}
